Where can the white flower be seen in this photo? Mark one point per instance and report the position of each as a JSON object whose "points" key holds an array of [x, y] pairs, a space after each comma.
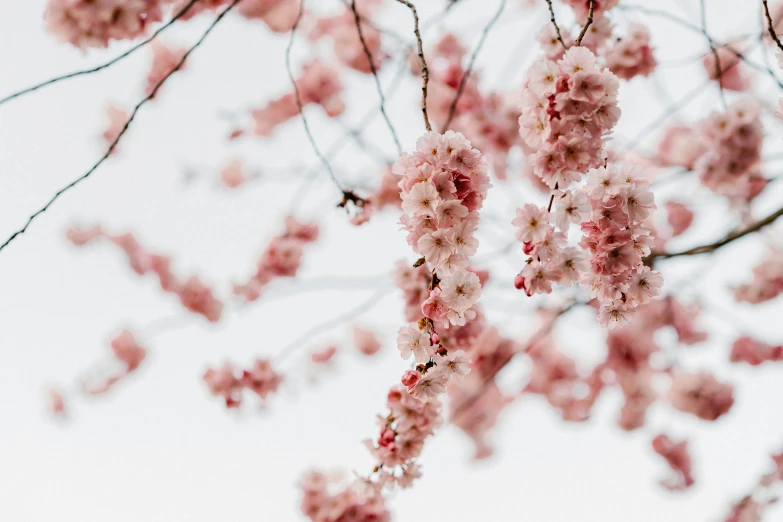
{"points": [[465, 243], [429, 386], [454, 364], [645, 284], [533, 223], [411, 340], [437, 246], [571, 207]]}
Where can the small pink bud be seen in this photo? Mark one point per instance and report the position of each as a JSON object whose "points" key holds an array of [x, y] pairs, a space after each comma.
{"points": [[435, 338], [410, 378], [519, 281]]}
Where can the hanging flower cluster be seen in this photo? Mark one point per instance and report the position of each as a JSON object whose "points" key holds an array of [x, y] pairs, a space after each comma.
{"points": [[569, 107], [229, 382], [192, 293], [282, 258], [89, 23]]}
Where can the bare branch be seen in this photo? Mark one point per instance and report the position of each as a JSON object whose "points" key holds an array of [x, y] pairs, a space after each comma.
{"points": [[704, 249], [554, 22], [771, 25], [124, 128], [102, 66], [464, 80], [583, 32], [425, 72], [368, 54], [718, 69]]}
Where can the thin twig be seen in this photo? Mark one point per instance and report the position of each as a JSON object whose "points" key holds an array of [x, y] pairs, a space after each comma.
{"points": [[771, 25], [587, 24], [554, 22], [124, 128], [298, 97], [425, 72], [704, 249], [370, 60], [718, 69], [464, 80], [102, 66]]}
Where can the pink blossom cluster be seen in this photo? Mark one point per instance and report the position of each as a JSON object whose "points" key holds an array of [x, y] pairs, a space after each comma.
{"points": [[700, 394], [568, 108], [754, 352], [318, 84], [229, 382], [278, 15], [730, 163], [128, 353], [444, 184], [767, 281], [679, 460], [164, 60], [679, 217], [95, 23], [386, 195], [193, 293], [632, 55], [728, 68], [282, 258], [403, 432], [326, 500], [341, 30], [118, 118]]}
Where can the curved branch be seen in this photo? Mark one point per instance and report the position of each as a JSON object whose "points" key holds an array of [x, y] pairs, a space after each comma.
{"points": [[771, 25], [587, 24], [122, 132], [102, 66], [554, 22], [704, 249]]}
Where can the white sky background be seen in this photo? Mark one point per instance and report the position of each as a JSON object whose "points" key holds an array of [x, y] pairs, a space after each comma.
{"points": [[158, 449]]}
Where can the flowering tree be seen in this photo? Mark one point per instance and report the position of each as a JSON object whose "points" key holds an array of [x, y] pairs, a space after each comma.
{"points": [[608, 234]]}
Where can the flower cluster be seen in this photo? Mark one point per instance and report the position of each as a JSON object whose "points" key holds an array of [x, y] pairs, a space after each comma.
{"points": [[730, 163], [700, 394], [192, 293], [752, 507], [87, 23], [282, 258], [754, 352], [128, 353], [164, 61], [318, 84], [229, 382], [767, 281], [679, 460], [632, 56], [728, 68], [324, 500], [569, 106], [341, 29], [279, 15]]}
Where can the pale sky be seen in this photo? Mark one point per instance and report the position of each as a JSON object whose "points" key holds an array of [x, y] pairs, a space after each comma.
{"points": [[159, 449]]}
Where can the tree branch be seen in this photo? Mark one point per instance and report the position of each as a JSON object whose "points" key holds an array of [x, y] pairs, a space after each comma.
{"points": [[464, 80], [368, 54], [704, 249], [102, 66], [122, 132], [554, 22], [771, 25], [587, 24], [718, 69], [425, 72]]}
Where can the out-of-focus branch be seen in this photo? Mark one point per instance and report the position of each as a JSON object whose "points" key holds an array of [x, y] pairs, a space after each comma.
{"points": [[554, 22], [124, 129], [583, 32], [425, 72], [704, 249], [111, 62], [471, 63], [718, 69], [374, 71]]}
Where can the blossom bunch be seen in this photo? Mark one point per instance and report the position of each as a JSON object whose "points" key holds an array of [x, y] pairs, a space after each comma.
{"points": [[632, 55], [767, 281], [192, 292], [318, 84], [282, 258], [95, 23], [325, 499], [568, 108], [229, 382]]}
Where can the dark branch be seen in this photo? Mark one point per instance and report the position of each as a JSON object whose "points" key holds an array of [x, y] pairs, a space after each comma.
{"points": [[368, 54], [583, 32], [123, 131], [425, 72], [771, 25], [554, 22], [103, 66], [464, 80]]}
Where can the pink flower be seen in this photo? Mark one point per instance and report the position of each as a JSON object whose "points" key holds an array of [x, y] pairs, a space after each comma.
{"points": [[127, 350], [429, 386], [437, 246], [613, 315], [679, 216], [233, 175], [571, 207], [366, 341], [679, 460], [118, 118], [700, 394], [198, 298], [434, 307], [164, 61], [410, 378], [411, 340], [461, 290], [532, 222], [454, 364], [421, 199], [645, 284], [323, 356]]}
